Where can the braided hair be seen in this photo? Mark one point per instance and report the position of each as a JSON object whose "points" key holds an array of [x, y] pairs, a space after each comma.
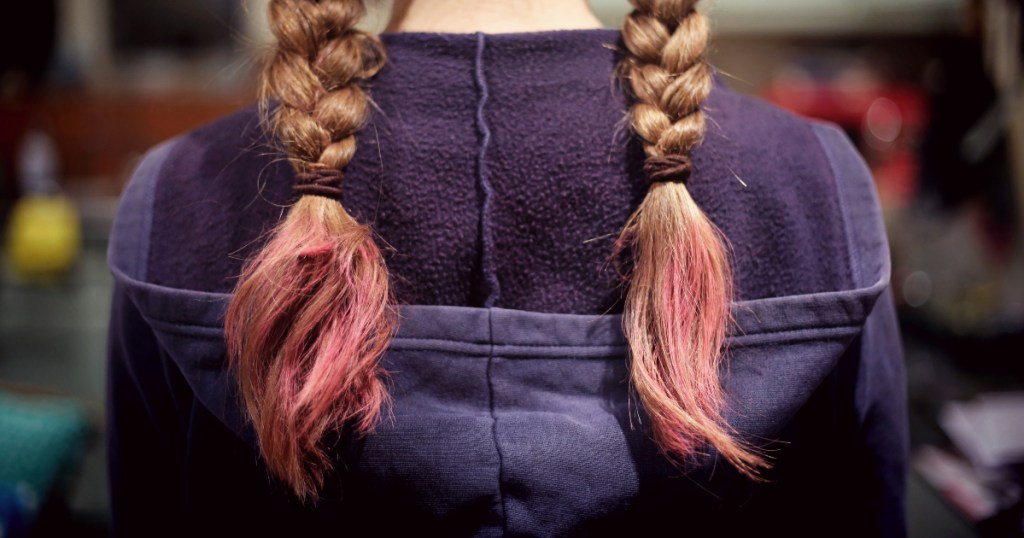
{"points": [[313, 311], [677, 304]]}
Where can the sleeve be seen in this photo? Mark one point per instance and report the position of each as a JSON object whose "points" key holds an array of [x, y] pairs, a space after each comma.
{"points": [[144, 425], [875, 378], [880, 403], [143, 451]]}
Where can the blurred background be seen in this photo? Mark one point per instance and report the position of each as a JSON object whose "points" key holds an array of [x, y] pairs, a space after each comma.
{"points": [[930, 90]]}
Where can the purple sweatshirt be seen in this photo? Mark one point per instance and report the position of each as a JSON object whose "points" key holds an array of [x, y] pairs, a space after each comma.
{"points": [[497, 170]]}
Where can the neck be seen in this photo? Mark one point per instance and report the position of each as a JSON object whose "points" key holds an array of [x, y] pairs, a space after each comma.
{"points": [[491, 16]]}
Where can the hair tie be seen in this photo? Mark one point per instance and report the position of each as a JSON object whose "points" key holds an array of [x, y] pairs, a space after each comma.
{"points": [[668, 168], [320, 182]]}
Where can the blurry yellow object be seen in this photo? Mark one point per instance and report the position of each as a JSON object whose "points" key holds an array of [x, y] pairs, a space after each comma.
{"points": [[43, 235]]}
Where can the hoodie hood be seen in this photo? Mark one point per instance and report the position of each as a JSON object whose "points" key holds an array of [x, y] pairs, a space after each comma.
{"points": [[780, 348]]}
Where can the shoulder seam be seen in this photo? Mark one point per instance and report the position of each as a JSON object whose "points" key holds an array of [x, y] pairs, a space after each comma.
{"points": [[131, 232], [817, 127]]}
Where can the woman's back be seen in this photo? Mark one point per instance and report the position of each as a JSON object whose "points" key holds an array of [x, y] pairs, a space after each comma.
{"points": [[497, 173], [564, 170]]}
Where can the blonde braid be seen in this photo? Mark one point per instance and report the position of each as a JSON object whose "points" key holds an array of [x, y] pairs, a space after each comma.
{"points": [[315, 75], [676, 309], [312, 312]]}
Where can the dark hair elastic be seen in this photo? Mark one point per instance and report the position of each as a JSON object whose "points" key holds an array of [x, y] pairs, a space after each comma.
{"points": [[320, 182], [668, 168]]}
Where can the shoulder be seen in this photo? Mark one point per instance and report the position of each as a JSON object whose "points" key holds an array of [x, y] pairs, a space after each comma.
{"points": [[781, 144], [774, 185], [786, 139], [173, 246], [230, 157], [197, 199], [778, 143], [210, 147]]}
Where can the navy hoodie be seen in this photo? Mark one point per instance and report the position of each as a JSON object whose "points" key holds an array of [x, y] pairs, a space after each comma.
{"points": [[497, 171]]}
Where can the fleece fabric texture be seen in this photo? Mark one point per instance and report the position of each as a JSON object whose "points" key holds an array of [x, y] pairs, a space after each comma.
{"points": [[499, 172]]}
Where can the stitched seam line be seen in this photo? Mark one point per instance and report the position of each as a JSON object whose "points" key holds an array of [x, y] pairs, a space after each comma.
{"points": [[789, 337], [807, 330], [486, 237], [494, 424], [855, 269], [146, 232], [492, 344], [188, 325], [472, 354], [139, 286], [182, 329]]}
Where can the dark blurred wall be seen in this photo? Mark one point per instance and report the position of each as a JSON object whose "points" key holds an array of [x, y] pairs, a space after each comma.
{"points": [[184, 25], [27, 36]]}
